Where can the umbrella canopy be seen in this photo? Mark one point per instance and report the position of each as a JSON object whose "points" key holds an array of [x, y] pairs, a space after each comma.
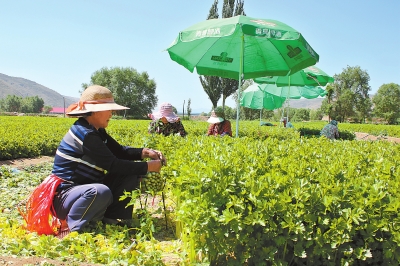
{"points": [[293, 92], [255, 98], [242, 47], [309, 76]]}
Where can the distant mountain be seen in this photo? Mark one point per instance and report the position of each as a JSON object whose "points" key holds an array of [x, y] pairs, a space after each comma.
{"points": [[27, 88], [306, 103]]}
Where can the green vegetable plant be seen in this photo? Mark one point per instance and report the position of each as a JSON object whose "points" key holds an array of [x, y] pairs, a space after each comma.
{"points": [[269, 197]]}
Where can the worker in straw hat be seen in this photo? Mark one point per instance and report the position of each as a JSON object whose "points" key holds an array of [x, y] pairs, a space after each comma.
{"points": [[94, 168], [166, 122], [219, 126]]}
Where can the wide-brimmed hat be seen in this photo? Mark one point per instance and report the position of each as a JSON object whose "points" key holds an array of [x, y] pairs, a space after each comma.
{"points": [[94, 99], [166, 110], [217, 116]]}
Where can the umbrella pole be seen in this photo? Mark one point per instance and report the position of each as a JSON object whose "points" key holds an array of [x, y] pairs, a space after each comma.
{"points": [[283, 113], [239, 86], [287, 112]]}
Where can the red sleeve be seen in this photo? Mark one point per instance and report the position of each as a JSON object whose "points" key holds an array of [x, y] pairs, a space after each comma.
{"points": [[227, 128], [210, 129]]}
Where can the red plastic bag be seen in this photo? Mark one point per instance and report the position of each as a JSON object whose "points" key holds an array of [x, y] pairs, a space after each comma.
{"points": [[38, 213]]}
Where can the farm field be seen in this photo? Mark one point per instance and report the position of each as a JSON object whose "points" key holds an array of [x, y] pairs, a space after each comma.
{"points": [[270, 195], [22, 162]]}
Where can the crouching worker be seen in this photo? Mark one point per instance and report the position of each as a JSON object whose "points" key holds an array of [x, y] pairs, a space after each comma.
{"points": [[166, 122], [93, 168], [330, 130], [219, 126]]}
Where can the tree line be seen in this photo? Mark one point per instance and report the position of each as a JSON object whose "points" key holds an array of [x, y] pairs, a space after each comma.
{"points": [[13, 103], [348, 98]]}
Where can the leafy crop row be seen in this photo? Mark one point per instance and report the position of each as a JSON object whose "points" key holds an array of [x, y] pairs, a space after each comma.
{"points": [[309, 201], [26, 136]]}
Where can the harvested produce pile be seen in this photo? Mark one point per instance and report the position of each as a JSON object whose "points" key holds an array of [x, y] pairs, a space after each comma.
{"points": [[153, 182]]}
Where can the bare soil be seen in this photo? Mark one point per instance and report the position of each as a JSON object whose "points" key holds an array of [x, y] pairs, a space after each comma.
{"points": [[17, 261], [366, 136], [24, 162]]}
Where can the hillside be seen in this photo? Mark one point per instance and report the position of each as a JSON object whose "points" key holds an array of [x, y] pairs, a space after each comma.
{"points": [[306, 103], [27, 88]]}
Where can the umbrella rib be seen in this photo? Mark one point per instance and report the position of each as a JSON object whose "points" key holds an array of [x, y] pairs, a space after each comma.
{"points": [[271, 52], [315, 79], [287, 65]]}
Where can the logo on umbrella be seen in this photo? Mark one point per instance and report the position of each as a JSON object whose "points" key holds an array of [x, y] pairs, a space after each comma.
{"points": [[293, 51], [222, 58], [269, 33], [208, 32], [263, 22]]}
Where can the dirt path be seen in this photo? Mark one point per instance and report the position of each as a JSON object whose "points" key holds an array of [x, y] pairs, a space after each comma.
{"points": [[6, 260], [23, 162], [366, 136]]}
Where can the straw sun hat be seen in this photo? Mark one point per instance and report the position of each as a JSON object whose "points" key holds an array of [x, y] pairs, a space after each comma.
{"points": [[166, 110], [94, 99], [217, 116]]}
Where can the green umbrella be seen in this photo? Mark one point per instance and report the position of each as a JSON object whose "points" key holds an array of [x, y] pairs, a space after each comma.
{"points": [[255, 98], [309, 76], [293, 92], [242, 47], [306, 79]]}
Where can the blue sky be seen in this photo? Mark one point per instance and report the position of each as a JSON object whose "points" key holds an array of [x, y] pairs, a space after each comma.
{"points": [[59, 44]]}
